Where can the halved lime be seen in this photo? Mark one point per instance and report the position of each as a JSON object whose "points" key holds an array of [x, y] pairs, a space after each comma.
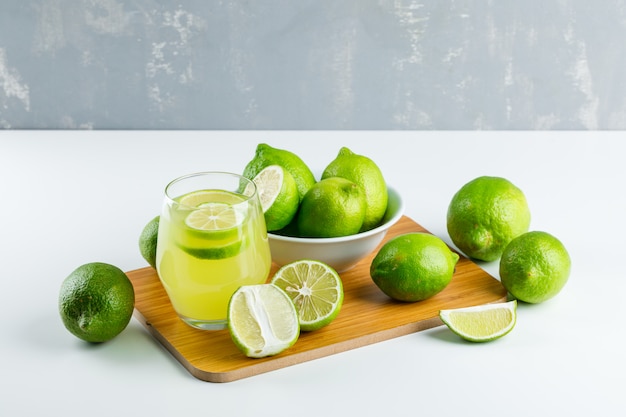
{"points": [[278, 194], [262, 320], [315, 289], [481, 323]]}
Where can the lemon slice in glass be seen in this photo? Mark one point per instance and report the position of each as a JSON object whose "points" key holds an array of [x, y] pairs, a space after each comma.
{"points": [[481, 323], [262, 320], [315, 289]]}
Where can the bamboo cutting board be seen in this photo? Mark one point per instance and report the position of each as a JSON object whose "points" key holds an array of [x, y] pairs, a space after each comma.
{"points": [[367, 316]]}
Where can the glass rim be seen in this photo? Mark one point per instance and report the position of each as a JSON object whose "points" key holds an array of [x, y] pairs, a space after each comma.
{"points": [[239, 191]]}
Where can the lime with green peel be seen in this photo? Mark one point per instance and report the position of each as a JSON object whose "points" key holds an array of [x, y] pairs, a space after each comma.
{"points": [[332, 207], [315, 289], [148, 241], [482, 323], [279, 196], [96, 302], [413, 266], [535, 267], [485, 215], [262, 320], [266, 155], [214, 218], [211, 215], [364, 172]]}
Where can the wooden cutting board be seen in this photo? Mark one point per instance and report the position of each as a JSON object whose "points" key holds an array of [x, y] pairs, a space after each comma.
{"points": [[367, 316]]}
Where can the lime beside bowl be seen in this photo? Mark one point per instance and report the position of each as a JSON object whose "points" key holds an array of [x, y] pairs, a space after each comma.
{"points": [[341, 253]]}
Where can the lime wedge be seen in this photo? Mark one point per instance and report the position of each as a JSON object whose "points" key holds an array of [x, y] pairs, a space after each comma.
{"points": [[481, 323], [315, 289], [262, 320]]}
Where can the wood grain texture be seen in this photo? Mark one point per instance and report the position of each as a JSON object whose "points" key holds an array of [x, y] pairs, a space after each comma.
{"points": [[367, 316]]}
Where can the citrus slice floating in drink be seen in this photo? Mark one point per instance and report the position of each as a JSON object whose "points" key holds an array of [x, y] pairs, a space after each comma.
{"points": [[214, 217], [315, 289], [481, 323], [262, 320]]}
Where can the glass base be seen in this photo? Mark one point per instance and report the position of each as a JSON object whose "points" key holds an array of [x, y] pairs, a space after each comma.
{"points": [[205, 324]]}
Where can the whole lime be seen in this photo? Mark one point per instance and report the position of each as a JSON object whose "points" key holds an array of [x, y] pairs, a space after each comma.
{"points": [[96, 302], [266, 155], [148, 241], [362, 171], [485, 215], [332, 207], [413, 266], [535, 267]]}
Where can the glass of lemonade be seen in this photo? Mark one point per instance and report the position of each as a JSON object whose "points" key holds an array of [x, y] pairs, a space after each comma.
{"points": [[212, 240]]}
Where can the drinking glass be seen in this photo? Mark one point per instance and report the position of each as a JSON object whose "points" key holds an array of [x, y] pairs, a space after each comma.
{"points": [[212, 239]]}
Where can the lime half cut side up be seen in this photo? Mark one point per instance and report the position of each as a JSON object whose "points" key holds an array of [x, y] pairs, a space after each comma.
{"points": [[315, 289], [262, 320], [481, 323]]}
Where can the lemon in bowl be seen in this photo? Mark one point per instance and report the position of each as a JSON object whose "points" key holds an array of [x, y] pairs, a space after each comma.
{"points": [[341, 252]]}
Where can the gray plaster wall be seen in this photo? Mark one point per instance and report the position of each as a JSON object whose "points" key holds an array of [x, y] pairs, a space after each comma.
{"points": [[305, 64]]}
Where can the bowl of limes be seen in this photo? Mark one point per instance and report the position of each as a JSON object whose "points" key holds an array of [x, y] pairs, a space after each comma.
{"points": [[341, 253]]}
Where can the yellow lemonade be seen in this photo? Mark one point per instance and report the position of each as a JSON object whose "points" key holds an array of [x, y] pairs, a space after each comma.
{"points": [[210, 243]]}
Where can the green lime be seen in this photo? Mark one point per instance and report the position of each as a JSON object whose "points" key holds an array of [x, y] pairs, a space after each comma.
{"points": [[413, 266], [212, 214], [96, 302], [215, 217], [148, 241], [332, 207], [266, 155], [215, 252], [482, 323], [364, 172], [315, 289], [262, 320], [535, 267], [279, 196], [197, 198], [485, 215]]}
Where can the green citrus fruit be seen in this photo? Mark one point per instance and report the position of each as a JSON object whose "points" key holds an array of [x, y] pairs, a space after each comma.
{"points": [[279, 196], [266, 155], [485, 215], [96, 302], [482, 323], [315, 289], [332, 207], [364, 172], [262, 320], [413, 266], [148, 241], [534, 267]]}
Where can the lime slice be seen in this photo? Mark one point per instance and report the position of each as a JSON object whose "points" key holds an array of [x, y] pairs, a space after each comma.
{"points": [[481, 323], [262, 320], [315, 289], [279, 196], [196, 198], [214, 217], [216, 252]]}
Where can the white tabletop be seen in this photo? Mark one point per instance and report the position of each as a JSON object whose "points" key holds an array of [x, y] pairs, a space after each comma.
{"points": [[70, 198]]}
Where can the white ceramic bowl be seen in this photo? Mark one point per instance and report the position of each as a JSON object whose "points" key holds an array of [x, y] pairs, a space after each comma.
{"points": [[342, 253]]}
